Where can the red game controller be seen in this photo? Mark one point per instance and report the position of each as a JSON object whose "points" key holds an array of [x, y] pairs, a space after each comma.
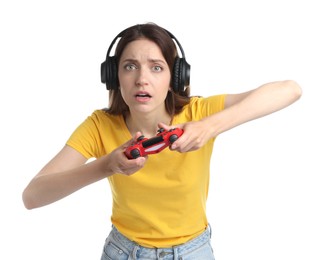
{"points": [[145, 146]]}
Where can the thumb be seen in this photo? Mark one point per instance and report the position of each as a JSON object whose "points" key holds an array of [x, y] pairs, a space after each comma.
{"points": [[137, 135], [132, 140]]}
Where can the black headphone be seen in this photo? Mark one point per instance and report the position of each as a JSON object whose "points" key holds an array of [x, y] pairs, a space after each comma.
{"points": [[180, 75]]}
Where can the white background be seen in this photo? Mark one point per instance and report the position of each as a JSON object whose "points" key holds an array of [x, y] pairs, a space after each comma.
{"points": [[265, 198]]}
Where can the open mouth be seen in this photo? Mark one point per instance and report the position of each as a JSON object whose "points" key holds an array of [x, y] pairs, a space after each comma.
{"points": [[143, 96]]}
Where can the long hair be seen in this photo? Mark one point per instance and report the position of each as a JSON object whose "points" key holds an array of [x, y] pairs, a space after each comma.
{"points": [[174, 102]]}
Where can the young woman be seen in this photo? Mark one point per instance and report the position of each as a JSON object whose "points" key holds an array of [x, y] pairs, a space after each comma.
{"points": [[158, 200]]}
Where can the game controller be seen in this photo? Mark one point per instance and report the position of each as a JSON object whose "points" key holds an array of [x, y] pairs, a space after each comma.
{"points": [[144, 146]]}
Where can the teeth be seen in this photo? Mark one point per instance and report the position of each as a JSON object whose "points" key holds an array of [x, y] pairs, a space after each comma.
{"points": [[143, 95]]}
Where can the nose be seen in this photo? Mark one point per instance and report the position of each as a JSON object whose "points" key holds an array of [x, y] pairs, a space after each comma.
{"points": [[141, 79]]}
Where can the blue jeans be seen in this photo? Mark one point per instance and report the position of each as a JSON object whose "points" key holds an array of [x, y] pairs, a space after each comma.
{"points": [[118, 247]]}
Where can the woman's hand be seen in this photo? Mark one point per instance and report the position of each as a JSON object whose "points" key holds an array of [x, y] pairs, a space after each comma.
{"points": [[119, 163], [196, 134]]}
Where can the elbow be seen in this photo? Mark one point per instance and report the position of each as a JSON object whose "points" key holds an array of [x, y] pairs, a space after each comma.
{"points": [[28, 200], [294, 89]]}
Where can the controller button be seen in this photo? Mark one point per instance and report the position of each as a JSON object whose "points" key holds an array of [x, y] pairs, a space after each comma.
{"points": [[173, 138], [135, 153], [140, 138]]}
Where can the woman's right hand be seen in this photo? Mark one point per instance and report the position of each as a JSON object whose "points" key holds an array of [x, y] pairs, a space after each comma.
{"points": [[119, 163]]}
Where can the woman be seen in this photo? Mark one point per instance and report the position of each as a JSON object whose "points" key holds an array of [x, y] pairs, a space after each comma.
{"points": [[158, 200]]}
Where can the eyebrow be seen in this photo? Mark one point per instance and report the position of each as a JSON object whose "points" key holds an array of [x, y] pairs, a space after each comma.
{"points": [[150, 60]]}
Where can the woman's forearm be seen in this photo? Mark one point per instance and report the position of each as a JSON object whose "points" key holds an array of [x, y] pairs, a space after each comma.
{"points": [[257, 103], [47, 188]]}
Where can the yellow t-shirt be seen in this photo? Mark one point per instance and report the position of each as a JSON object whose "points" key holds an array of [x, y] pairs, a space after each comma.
{"points": [[163, 204]]}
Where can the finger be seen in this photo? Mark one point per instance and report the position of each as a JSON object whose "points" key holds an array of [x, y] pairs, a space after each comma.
{"points": [[130, 141], [140, 161], [137, 135], [134, 165], [126, 144], [180, 142]]}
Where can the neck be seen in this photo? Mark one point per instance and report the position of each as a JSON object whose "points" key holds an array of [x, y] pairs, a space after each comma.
{"points": [[145, 123]]}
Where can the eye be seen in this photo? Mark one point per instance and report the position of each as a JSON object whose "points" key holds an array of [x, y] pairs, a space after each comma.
{"points": [[157, 68], [130, 67]]}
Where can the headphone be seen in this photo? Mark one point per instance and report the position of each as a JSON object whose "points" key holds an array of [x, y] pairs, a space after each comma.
{"points": [[180, 73]]}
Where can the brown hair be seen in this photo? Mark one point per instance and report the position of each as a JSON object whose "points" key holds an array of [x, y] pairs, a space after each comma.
{"points": [[174, 102]]}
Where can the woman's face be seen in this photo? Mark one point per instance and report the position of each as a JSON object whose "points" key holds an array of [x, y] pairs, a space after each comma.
{"points": [[144, 77]]}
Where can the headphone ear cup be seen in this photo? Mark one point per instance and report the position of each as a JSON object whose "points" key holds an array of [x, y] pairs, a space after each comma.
{"points": [[109, 73], [181, 75], [104, 72], [176, 75], [186, 70]]}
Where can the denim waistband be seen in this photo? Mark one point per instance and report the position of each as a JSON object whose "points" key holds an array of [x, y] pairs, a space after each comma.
{"points": [[191, 245]]}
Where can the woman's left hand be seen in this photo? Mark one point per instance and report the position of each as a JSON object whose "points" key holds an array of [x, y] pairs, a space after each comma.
{"points": [[196, 134]]}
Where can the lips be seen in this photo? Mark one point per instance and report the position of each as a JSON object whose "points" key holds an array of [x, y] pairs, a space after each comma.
{"points": [[142, 96]]}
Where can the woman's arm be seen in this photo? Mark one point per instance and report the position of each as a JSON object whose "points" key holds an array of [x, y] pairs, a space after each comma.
{"points": [[239, 109], [262, 101], [68, 172]]}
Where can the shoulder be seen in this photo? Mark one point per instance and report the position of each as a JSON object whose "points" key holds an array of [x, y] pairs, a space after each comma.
{"points": [[200, 107], [215, 102], [102, 116], [98, 121]]}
